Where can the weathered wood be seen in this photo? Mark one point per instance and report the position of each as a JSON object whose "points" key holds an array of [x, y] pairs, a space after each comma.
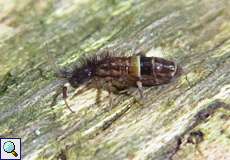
{"points": [[186, 119]]}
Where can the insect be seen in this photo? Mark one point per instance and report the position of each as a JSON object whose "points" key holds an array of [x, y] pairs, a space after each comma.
{"points": [[121, 73]]}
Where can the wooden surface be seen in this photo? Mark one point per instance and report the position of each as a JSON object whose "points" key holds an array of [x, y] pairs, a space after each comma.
{"points": [[186, 119]]}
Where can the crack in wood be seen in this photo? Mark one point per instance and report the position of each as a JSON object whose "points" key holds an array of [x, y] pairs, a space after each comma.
{"points": [[198, 118]]}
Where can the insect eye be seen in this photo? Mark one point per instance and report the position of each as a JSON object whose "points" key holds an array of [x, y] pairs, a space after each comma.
{"points": [[88, 72]]}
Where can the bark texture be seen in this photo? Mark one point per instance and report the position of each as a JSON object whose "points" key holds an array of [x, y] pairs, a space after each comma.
{"points": [[186, 119]]}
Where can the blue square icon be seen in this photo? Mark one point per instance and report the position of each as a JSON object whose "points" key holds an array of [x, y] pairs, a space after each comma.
{"points": [[10, 148]]}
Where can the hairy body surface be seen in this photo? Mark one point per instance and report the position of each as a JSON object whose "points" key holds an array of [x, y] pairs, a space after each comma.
{"points": [[122, 72]]}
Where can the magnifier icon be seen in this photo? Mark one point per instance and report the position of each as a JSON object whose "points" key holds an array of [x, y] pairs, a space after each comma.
{"points": [[9, 147]]}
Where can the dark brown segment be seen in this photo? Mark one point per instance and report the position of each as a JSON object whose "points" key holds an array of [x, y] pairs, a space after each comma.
{"points": [[122, 72], [146, 66], [149, 70], [114, 67], [64, 92]]}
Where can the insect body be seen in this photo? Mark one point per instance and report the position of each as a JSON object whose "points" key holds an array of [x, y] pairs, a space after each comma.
{"points": [[123, 72]]}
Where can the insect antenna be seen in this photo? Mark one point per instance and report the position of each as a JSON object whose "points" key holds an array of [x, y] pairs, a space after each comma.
{"points": [[63, 74]]}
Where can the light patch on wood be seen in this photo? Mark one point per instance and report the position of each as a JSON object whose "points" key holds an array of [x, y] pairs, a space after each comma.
{"points": [[5, 32], [155, 52]]}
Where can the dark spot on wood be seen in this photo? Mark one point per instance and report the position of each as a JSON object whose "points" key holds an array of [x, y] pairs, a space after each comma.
{"points": [[176, 148], [62, 155], [195, 137], [208, 111], [225, 117]]}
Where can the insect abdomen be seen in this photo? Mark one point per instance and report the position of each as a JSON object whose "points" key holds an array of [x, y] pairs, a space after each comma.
{"points": [[156, 71], [149, 70], [114, 67]]}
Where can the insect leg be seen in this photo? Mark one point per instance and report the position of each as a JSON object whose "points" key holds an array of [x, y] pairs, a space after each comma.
{"points": [[97, 86], [55, 96], [64, 93], [110, 89], [110, 94], [140, 88], [81, 90]]}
